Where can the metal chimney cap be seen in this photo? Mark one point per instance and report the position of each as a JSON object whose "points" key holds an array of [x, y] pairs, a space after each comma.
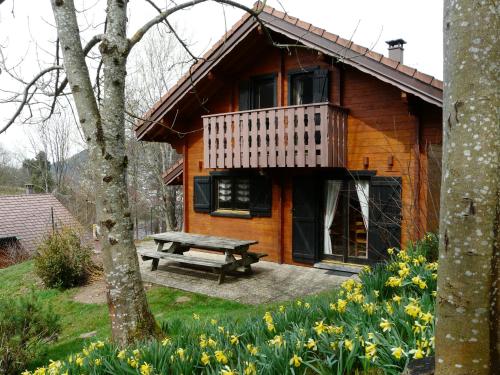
{"points": [[396, 42]]}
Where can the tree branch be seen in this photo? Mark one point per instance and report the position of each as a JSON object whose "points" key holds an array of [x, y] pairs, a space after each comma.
{"points": [[139, 34], [26, 94]]}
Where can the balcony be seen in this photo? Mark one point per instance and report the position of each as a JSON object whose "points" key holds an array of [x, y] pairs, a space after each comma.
{"points": [[312, 135]]}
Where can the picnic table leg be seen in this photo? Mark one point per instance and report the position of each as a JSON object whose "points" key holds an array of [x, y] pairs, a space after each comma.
{"points": [[154, 265], [222, 275], [159, 246]]}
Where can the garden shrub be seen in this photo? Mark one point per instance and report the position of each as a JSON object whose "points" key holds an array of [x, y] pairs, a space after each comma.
{"points": [[371, 326], [62, 261], [25, 328]]}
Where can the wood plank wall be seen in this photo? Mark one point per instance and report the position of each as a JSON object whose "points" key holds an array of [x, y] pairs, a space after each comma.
{"points": [[380, 126]]}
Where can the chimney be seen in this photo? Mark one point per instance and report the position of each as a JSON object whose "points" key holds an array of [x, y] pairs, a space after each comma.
{"points": [[29, 188], [396, 49]]}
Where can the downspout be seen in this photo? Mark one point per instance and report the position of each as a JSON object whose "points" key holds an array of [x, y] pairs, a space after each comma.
{"points": [[282, 221]]}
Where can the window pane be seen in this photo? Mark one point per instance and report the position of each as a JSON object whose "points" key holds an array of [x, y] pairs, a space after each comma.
{"points": [[302, 88], [263, 93], [224, 193], [242, 194]]}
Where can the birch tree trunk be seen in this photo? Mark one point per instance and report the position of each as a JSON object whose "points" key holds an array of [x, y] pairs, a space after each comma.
{"points": [[104, 129], [467, 337]]}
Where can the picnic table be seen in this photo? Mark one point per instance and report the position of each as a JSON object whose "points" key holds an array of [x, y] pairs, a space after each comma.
{"points": [[182, 242]]}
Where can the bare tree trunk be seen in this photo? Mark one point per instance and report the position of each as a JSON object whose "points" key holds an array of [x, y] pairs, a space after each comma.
{"points": [[130, 315], [467, 340]]}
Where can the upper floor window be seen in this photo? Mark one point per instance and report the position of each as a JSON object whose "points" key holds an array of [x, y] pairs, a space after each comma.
{"points": [[259, 92], [308, 86]]}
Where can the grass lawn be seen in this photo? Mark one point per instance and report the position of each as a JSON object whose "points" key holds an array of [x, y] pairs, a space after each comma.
{"points": [[78, 318]]}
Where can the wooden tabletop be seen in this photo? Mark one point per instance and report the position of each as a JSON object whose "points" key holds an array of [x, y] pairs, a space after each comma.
{"points": [[201, 241]]}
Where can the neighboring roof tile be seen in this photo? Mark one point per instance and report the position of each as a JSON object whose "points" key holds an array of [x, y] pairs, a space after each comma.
{"points": [[29, 217]]}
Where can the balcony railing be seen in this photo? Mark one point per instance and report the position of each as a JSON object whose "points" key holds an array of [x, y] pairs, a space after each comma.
{"points": [[313, 135]]}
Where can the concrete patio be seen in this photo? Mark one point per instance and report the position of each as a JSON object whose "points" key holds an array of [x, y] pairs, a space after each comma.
{"points": [[270, 281]]}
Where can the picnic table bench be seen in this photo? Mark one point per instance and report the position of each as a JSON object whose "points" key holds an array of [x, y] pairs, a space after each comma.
{"points": [[182, 242]]}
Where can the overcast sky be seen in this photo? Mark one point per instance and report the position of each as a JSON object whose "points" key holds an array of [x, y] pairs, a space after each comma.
{"points": [[27, 25]]}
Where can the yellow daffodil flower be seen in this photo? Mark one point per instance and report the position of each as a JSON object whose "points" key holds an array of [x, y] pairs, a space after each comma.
{"points": [[396, 299], [181, 353], [282, 309], [385, 325], [146, 369], [311, 344], [196, 316], [97, 361], [250, 369], [349, 345], [227, 371], [253, 350], [121, 355], [205, 359], [412, 309], [132, 361], [398, 352], [319, 327], [295, 361], [370, 350], [234, 339], [166, 341], [211, 342], [341, 305], [393, 281], [213, 322], [277, 340], [220, 357], [417, 353]]}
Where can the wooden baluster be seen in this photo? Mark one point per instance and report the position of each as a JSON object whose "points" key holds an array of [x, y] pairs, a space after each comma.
{"points": [[229, 141], [254, 162], [311, 132], [206, 150], [245, 151], [213, 146], [290, 146], [281, 162], [300, 137], [272, 137], [263, 144], [220, 137], [237, 141]]}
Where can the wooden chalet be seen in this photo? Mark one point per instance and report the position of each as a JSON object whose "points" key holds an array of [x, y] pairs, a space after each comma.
{"points": [[321, 151]]}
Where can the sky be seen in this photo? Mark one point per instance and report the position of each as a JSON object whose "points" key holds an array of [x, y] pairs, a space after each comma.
{"points": [[26, 32]]}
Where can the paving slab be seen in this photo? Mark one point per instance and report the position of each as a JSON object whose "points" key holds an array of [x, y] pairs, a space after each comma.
{"points": [[269, 282]]}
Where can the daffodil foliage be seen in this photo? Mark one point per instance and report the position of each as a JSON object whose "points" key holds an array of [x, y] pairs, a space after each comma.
{"points": [[382, 321]]}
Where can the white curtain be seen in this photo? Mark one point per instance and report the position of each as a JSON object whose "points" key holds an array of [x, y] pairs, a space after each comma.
{"points": [[332, 194], [362, 188]]}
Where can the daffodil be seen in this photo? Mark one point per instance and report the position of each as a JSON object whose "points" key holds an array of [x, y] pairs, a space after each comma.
{"points": [[146, 369], [390, 251], [166, 341], [418, 328], [277, 341], [196, 316], [385, 325], [234, 339], [205, 359], [211, 342], [393, 281], [250, 369], [132, 361], [307, 305], [396, 299], [295, 361], [79, 361], [341, 305], [282, 309], [349, 345], [369, 308], [319, 327], [397, 352], [268, 318], [97, 361], [121, 354], [253, 350], [228, 371], [213, 322], [370, 350], [311, 344], [220, 357], [417, 353], [181, 353], [271, 327], [412, 309]]}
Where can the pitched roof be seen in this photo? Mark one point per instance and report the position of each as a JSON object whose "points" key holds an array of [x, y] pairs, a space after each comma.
{"points": [[29, 217], [391, 71]]}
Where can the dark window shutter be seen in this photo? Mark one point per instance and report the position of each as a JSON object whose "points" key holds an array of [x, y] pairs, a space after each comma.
{"points": [[320, 86], [245, 95], [261, 192], [202, 193], [384, 217]]}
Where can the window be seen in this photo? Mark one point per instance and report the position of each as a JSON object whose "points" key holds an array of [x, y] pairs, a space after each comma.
{"points": [[308, 86], [232, 193], [301, 87], [258, 92], [225, 193]]}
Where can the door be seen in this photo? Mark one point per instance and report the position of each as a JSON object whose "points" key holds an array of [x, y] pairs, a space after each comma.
{"points": [[305, 220]]}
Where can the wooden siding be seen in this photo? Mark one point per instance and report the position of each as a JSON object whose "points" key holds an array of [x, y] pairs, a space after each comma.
{"points": [[313, 135], [380, 127]]}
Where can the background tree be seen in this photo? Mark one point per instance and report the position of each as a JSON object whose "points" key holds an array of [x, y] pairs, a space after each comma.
{"points": [[39, 172], [467, 337]]}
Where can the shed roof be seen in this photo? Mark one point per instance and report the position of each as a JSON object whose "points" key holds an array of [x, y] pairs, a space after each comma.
{"points": [[391, 71], [29, 217]]}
